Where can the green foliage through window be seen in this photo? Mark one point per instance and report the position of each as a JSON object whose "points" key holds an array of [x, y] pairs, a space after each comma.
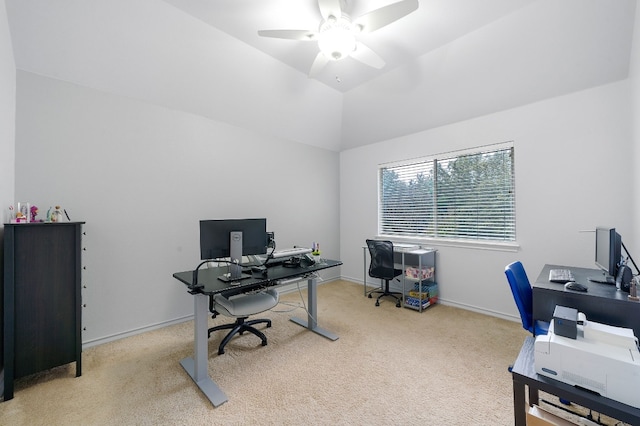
{"points": [[469, 196]]}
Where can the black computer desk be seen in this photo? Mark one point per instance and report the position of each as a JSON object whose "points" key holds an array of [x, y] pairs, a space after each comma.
{"points": [[602, 303], [197, 366], [524, 374]]}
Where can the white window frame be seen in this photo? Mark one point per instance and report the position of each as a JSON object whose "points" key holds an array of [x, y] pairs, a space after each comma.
{"points": [[503, 244]]}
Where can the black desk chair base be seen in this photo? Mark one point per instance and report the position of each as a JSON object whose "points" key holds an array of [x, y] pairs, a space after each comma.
{"points": [[240, 306], [386, 292], [239, 327]]}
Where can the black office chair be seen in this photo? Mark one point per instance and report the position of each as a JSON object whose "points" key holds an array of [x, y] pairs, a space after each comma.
{"points": [[382, 266], [241, 306]]}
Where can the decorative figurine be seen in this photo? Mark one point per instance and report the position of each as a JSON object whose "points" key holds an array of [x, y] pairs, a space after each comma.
{"points": [[20, 218], [34, 213], [633, 290], [56, 215], [315, 252], [24, 210]]}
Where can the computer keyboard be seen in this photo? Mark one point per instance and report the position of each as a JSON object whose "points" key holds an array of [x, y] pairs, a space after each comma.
{"points": [[282, 256], [288, 252], [560, 276]]}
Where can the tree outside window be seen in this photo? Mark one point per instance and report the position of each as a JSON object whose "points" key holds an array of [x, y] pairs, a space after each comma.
{"points": [[470, 196]]}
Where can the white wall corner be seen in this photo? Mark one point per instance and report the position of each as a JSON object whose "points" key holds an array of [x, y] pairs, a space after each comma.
{"points": [[634, 79], [7, 115]]}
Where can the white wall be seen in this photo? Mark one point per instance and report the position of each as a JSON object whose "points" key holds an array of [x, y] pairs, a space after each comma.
{"points": [[7, 116], [634, 77], [154, 52], [546, 49], [572, 174], [142, 175]]}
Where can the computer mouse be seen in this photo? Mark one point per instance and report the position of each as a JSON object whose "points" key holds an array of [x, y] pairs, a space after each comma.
{"points": [[572, 285]]}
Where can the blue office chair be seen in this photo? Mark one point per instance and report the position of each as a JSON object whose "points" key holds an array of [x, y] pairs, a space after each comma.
{"points": [[523, 295]]}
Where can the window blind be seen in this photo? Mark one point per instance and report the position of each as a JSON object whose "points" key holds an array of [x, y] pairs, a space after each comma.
{"points": [[468, 196]]}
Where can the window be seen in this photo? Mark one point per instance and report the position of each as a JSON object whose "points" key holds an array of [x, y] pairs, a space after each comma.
{"points": [[465, 196]]}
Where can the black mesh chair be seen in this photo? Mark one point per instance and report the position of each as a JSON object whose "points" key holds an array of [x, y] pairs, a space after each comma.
{"points": [[382, 266]]}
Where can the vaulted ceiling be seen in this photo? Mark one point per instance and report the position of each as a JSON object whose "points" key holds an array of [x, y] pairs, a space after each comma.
{"points": [[450, 60], [434, 24]]}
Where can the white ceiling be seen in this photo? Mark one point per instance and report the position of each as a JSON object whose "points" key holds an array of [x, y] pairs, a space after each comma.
{"points": [[435, 24], [449, 61]]}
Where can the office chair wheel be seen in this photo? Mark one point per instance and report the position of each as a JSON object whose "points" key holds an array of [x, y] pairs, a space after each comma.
{"points": [[377, 303], [369, 295], [398, 304]]}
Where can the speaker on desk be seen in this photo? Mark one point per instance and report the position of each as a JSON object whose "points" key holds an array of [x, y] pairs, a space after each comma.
{"points": [[623, 279]]}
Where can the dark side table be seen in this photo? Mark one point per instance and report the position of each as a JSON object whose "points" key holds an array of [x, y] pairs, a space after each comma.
{"points": [[524, 373]]}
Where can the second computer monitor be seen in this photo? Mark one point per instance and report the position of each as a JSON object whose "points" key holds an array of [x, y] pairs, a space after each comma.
{"points": [[608, 250]]}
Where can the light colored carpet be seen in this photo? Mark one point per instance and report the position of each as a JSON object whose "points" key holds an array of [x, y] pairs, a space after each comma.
{"points": [[390, 366]]}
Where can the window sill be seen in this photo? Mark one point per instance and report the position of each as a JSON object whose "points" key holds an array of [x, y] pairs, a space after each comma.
{"points": [[444, 242]]}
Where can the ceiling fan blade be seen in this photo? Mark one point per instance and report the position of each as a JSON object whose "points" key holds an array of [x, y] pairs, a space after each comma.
{"points": [[319, 63], [367, 56], [385, 15], [289, 34], [330, 8]]}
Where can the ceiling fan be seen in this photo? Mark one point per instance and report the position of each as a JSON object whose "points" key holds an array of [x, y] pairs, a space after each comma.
{"points": [[337, 33]]}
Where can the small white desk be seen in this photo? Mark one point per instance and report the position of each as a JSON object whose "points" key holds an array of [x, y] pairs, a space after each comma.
{"points": [[404, 254]]}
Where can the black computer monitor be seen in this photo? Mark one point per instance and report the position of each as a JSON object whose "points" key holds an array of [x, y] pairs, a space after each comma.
{"points": [[608, 250], [232, 238]]}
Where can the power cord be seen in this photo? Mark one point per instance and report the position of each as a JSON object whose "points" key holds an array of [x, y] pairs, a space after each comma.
{"points": [[312, 276], [294, 306]]}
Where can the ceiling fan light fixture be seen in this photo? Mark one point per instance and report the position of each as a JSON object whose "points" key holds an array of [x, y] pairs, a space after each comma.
{"points": [[336, 39], [337, 33]]}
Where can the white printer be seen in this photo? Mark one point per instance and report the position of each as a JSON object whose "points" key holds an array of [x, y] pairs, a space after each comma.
{"points": [[601, 358]]}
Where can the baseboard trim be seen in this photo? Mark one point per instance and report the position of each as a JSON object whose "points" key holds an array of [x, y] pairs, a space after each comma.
{"points": [[284, 289], [454, 304], [479, 310], [117, 336]]}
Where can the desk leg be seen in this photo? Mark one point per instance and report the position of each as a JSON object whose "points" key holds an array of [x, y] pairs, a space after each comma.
{"points": [[519, 413], [533, 396], [364, 275], [312, 307], [197, 367]]}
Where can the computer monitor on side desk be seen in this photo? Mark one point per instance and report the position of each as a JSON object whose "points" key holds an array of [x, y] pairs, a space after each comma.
{"points": [[233, 238], [608, 255], [610, 259]]}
